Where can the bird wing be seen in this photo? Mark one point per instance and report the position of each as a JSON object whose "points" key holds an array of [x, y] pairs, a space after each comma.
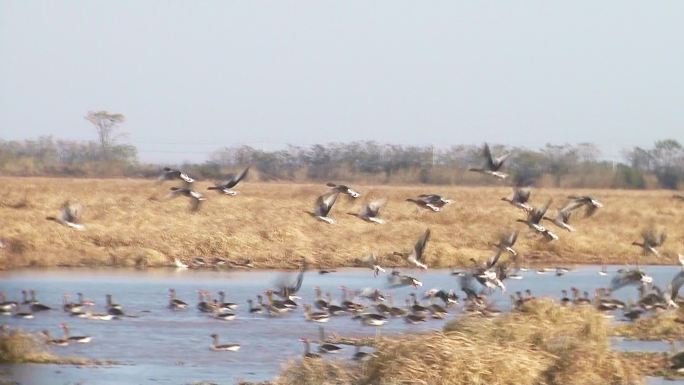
{"points": [[681, 259], [498, 162], [521, 195], [676, 284], [493, 259], [324, 203], [489, 162], [419, 248], [233, 180], [512, 238], [373, 207]]}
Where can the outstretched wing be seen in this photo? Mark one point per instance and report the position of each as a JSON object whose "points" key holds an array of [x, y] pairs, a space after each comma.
{"points": [[324, 203]]}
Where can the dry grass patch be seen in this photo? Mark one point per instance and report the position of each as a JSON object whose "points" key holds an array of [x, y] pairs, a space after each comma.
{"points": [[17, 347], [544, 344], [268, 224], [664, 326]]}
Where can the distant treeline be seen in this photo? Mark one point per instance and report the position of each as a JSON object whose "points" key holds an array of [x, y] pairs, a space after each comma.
{"points": [[577, 166]]}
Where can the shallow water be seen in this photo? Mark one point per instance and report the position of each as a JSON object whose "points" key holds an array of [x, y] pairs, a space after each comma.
{"points": [[162, 346]]}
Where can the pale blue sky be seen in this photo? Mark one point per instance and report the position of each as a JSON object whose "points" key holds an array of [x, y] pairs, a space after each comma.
{"points": [[192, 76]]}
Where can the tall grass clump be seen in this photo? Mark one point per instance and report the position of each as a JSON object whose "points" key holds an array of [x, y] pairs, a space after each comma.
{"points": [[17, 346], [664, 326], [544, 343]]}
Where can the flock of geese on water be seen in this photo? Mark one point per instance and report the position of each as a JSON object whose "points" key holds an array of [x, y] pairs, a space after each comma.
{"points": [[475, 282]]}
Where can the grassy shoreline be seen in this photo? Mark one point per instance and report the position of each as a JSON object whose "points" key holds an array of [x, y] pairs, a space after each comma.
{"points": [[128, 224]]}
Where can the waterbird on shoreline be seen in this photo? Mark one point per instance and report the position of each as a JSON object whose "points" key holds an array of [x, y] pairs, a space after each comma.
{"points": [[226, 347], [54, 341], [78, 339], [69, 215], [231, 181], [307, 349], [492, 165]]}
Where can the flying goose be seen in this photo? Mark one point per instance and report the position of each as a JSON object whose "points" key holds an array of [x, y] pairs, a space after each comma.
{"points": [[678, 197], [506, 242], [79, 339], [227, 347], [651, 240], [170, 174], [562, 218], [323, 205], [231, 181], [69, 215], [416, 257], [175, 303], [590, 203], [520, 198], [396, 279], [487, 276], [492, 165], [371, 210], [340, 188], [195, 198], [433, 202], [629, 277], [372, 262], [533, 221], [674, 287], [287, 290]]}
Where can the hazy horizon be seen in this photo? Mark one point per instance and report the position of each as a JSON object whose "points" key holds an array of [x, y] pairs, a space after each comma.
{"points": [[191, 78]]}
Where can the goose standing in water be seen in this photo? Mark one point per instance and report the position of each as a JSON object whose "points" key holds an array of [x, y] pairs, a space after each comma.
{"points": [[171, 174], [307, 349], [492, 165], [533, 221], [433, 202], [340, 188], [325, 347], [69, 215], [195, 198], [78, 339], [226, 305], [372, 262], [323, 205], [113, 308], [7, 306], [371, 210], [371, 319], [70, 307], [255, 309], [590, 203], [231, 181], [37, 306], [54, 341], [416, 257], [520, 198], [226, 347], [651, 240], [175, 303], [315, 316]]}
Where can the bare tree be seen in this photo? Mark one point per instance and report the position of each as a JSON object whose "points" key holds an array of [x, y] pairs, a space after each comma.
{"points": [[105, 125]]}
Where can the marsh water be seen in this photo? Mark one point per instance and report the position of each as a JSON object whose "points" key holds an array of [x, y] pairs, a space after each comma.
{"points": [[162, 346]]}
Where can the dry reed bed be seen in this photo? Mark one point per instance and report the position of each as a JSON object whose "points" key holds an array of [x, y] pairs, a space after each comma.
{"points": [[544, 344], [129, 223], [17, 346], [663, 326]]}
